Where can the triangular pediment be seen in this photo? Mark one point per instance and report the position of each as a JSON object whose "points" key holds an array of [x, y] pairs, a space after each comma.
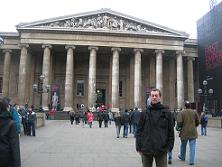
{"points": [[104, 20]]}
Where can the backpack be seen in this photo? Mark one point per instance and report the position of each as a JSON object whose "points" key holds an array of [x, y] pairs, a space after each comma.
{"points": [[204, 119]]}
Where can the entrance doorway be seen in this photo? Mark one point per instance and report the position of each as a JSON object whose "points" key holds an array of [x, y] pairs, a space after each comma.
{"points": [[100, 96]]}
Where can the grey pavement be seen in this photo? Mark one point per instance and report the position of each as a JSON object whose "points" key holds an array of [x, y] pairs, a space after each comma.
{"points": [[60, 144]]}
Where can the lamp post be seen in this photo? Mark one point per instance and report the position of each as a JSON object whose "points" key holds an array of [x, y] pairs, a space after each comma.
{"points": [[205, 93], [40, 89]]}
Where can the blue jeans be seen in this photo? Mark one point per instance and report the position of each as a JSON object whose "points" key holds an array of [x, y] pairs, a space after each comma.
{"points": [[169, 155], [203, 130], [125, 130], [31, 127], [135, 127], [192, 143]]}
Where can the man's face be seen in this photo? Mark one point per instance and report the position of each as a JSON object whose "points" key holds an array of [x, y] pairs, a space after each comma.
{"points": [[155, 97]]}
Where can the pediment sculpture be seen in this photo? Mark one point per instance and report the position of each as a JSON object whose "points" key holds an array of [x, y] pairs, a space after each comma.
{"points": [[103, 22]]}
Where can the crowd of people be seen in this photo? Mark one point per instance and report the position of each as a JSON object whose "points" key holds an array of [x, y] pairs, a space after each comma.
{"points": [[11, 119], [152, 128], [86, 116]]}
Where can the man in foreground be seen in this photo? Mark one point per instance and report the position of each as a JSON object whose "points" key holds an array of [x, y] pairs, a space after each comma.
{"points": [[155, 135]]}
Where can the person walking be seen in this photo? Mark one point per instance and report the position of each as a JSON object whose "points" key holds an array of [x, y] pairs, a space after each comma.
{"points": [[31, 121], [203, 123], [71, 116], [77, 117], [90, 118], [125, 121], [110, 116], [105, 118], [9, 138], [117, 120], [130, 122], [135, 118], [100, 118], [155, 133], [188, 121]]}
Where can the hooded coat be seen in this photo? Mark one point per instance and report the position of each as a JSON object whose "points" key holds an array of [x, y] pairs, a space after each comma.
{"points": [[9, 142]]}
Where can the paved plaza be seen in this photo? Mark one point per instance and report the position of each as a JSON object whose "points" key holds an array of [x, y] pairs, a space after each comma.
{"points": [[60, 144]]}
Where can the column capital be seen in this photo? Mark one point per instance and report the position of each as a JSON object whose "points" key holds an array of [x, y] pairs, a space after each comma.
{"points": [[70, 46], [115, 49], [93, 47], [23, 45], [47, 45], [7, 50], [159, 51], [182, 52], [138, 50]]}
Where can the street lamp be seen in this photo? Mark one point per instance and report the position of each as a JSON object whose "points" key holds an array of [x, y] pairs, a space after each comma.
{"points": [[40, 89], [205, 93]]}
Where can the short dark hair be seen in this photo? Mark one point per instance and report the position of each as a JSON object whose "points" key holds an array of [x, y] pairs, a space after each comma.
{"points": [[155, 90], [3, 103], [187, 104]]}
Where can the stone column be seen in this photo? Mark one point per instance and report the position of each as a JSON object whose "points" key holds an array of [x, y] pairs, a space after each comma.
{"points": [[45, 71], [180, 81], [92, 76], [152, 71], [190, 80], [172, 85], [137, 78], [115, 78], [159, 70], [6, 73], [69, 79], [22, 74]]}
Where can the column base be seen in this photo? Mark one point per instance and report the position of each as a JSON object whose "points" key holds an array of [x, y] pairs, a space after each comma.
{"points": [[45, 108], [68, 109], [114, 110]]}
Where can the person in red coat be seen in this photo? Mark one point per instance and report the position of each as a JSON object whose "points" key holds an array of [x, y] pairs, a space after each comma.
{"points": [[90, 118]]}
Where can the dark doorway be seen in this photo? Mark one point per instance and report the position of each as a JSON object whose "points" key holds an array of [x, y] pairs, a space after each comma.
{"points": [[100, 96]]}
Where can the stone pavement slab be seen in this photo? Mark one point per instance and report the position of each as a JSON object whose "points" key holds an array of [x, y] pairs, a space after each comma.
{"points": [[60, 144]]}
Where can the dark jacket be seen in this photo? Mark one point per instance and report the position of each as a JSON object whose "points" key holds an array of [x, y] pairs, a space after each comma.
{"points": [[125, 118], [31, 117], [203, 120], [106, 116], [9, 142], [100, 116], [117, 120], [135, 117], [155, 134]]}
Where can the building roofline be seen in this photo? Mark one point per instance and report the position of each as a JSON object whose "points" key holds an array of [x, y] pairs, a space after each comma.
{"points": [[101, 11]]}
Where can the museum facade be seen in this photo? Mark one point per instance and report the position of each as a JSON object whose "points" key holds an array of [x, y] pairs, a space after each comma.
{"points": [[101, 57]]}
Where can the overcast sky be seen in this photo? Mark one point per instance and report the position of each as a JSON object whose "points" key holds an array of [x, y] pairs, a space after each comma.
{"points": [[180, 15]]}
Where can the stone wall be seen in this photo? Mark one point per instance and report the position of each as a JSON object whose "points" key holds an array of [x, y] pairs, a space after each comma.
{"points": [[215, 122], [40, 119]]}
